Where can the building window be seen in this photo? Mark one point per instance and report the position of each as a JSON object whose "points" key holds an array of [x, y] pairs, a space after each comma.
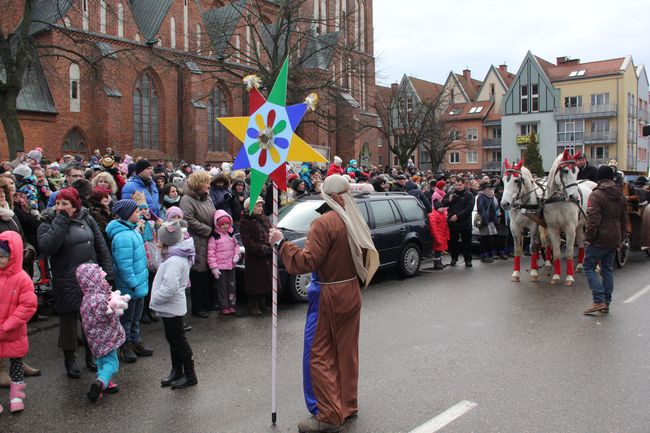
{"points": [[84, 14], [534, 98], [599, 99], [74, 142], [527, 128], [452, 95], [495, 156], [492, 91], [454, 157], [472, 157], [568, 131], [380, 142], [361, 26], [186, 43], [600, 126], [524, 98], [217, 138], [172, 32], [454, 134], [120, 20], [599, 152], [472, 134], [573, 101], [75, 97], [380, 159], [145, 114], [323, 16], [496, 132], [102, 16], [198, 39]]}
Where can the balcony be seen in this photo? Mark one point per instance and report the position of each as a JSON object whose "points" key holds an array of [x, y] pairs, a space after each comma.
{"points": [[491, 143], [600, 137], [586, 111], [570, 137], [491, 166]]}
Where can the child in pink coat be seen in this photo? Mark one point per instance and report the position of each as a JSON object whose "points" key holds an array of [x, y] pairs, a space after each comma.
{"points": [[223, 254], [17, 305]]}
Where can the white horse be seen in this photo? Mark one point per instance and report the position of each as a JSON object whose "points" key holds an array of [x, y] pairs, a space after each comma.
{"points": [[565, 210], [520, 196]]}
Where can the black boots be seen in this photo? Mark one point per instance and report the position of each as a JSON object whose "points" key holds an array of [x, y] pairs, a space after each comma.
{"points": [[95, 392], [176, 373], [126, 353], [189, 376], [70, 362], [141, 350]]}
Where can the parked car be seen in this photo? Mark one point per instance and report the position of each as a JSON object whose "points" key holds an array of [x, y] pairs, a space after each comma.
{"points": [[397, 222]]}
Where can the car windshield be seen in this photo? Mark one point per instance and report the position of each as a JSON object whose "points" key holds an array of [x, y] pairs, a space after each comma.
{"points": [[298, 216]]}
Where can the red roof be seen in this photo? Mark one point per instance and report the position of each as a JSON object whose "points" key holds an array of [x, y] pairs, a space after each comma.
{"points": [[478, 111], [426, 90], [506, 76], [471, 86], [574, 69]]}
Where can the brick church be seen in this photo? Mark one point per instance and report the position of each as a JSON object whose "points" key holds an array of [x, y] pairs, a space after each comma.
{"points": [[150, 77]]}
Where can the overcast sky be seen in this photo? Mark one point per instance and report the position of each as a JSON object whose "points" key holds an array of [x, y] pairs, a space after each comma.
{"points": [[428, 38]]}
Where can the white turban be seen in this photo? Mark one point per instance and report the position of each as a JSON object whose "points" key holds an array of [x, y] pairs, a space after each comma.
{"points": [[358, 232]]}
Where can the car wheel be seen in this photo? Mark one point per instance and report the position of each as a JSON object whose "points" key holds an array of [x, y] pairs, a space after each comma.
{"points": [[622, 253], [410, 259], [297, 289]]}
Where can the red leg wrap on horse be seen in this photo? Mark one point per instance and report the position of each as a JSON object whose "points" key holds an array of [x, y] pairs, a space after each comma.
{"points": [[517, 263], [581, 255], [549, 253], [557, 268], [569, 266], [533, 260]]}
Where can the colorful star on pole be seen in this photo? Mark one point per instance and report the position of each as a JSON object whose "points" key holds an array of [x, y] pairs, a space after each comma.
{"points": [[268, 134]]}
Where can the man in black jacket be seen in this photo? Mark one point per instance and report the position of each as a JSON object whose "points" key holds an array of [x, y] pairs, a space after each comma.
{"points": [[605, 231], [587, 172], [459, 217]]}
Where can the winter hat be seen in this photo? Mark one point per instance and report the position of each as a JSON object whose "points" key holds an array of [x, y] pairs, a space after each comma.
{"points": [[247, 202], [605, 172], [5, 251], [174, 211], [141, 165], [441, 184], [223, 219], [108, 161], [22, 171], [71, 195], [170, 234], [338, 161], [36, 155], [292, 177], [98, 195], [125, 208]]}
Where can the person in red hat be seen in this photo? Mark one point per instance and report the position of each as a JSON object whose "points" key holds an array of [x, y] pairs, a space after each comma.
{"points": [[70, 237]]}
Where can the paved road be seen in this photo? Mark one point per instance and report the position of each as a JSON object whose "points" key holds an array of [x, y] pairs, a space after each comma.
{"points": [[523, 353]]}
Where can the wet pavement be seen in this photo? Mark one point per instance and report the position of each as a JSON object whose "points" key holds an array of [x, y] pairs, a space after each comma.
{"points": [[522, 352]]}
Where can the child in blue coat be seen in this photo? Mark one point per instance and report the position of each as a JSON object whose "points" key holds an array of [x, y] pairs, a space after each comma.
{"points": [[131, 274]]}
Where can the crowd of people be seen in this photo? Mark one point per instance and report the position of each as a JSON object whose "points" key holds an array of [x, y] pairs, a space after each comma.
{"points": [[121, 239]]}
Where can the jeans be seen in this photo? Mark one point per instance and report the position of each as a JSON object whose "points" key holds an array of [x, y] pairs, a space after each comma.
{"points": [[601, 290], [107, 366], [131, 320]]}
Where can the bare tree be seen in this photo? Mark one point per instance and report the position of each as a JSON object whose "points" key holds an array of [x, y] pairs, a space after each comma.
{"points": [[23, 53], [410, 123]]}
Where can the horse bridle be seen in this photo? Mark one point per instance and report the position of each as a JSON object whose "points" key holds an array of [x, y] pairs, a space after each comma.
{"points": [[518, 203], [565, 186]]}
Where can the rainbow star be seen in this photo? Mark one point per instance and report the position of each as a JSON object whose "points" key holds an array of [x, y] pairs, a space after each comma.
{"points": [[268, 136]]}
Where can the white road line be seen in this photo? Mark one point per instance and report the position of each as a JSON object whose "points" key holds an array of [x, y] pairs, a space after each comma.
{"points": [[448, 416], [637, 295]]}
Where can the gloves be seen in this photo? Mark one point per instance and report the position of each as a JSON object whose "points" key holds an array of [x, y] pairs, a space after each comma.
{"points": [[275, 235], [216, 273]]}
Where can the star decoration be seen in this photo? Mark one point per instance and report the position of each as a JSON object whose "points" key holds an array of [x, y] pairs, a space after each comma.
{"points": [[268, 134]]}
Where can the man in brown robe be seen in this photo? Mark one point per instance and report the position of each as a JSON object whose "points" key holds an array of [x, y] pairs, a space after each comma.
{"points": [[339, 251]]}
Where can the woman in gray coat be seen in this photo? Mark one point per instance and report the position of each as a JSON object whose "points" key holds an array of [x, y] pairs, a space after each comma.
{"points": [[199, 212]]}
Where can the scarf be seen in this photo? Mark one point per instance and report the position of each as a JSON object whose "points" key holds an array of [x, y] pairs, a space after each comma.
{"points": [[168, 201], [6, 213], [358, 232], [184, 248]]}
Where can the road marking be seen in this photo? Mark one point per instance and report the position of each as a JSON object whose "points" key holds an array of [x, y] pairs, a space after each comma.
{"points": [[448, 416], [637, 295]]}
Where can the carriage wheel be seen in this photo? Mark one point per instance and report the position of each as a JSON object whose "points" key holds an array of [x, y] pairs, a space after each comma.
{"points": [[622, 253]]}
